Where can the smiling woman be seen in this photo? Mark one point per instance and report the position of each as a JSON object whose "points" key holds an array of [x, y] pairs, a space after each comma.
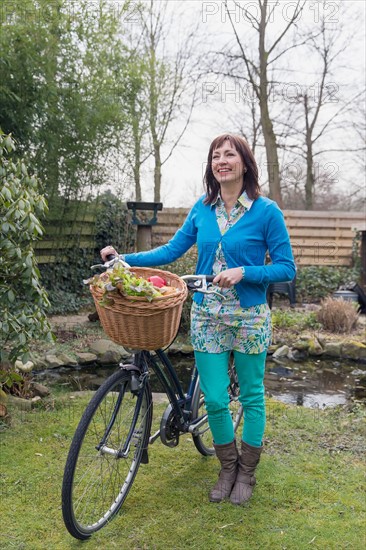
{"points": [[231, 169], [233, 227], [228, 167]]}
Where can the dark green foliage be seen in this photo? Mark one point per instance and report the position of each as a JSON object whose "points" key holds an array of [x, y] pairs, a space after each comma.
{"points": [[314, 283], [23, 301], [57, 91], [113, 225], [64, 279]]}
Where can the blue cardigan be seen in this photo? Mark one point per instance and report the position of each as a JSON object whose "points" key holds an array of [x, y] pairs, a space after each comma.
{"points": [[245, 244]]}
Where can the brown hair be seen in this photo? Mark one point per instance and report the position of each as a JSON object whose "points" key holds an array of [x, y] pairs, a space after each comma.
{"points": [[250, 178]]}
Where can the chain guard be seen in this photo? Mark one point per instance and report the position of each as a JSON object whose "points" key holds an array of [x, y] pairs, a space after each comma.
{"points": [[169, 431]]}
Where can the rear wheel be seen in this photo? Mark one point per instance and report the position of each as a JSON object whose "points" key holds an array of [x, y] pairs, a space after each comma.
{"points": [[105, 454]]}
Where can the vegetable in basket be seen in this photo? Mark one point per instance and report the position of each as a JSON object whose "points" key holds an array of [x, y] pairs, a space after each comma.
{"points": [[128, 284]]}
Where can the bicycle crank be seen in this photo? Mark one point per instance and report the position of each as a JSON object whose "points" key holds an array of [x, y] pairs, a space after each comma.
{"points": [[169, 431]]}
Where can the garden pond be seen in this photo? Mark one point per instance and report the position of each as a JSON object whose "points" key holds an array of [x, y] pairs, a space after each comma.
{"points": [[314, 384]]}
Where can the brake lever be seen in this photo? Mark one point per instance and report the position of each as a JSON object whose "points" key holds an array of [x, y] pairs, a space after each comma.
{"points": [[212, 291], [111, 263], [200, 284]]}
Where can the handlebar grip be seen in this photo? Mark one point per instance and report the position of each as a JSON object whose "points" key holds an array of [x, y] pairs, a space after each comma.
{"points": [[210, 278], [110, 257]]}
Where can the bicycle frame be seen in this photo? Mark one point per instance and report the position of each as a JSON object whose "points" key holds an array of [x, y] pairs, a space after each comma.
{"points": [[164, 370]]}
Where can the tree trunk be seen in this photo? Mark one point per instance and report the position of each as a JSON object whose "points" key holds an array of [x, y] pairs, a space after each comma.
{"points": [[267, 126], [310, 180], [137, 155], [272, 156], [157, 172]]}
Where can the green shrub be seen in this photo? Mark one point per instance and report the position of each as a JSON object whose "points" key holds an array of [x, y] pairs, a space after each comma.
{"points": [[313, 283], [285, 319], [64, 282], [23, 301], [113, 225]]}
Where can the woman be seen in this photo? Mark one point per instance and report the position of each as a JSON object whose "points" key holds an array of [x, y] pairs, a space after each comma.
{"points": [[234, 227]]}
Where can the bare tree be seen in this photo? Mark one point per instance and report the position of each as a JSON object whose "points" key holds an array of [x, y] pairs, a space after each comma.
{"points": [[322, 112], [257, 69], [171, 83]]}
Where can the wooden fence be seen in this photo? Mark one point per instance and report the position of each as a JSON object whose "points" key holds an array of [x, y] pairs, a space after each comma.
{"points": [[73, 228], [317, 238]]}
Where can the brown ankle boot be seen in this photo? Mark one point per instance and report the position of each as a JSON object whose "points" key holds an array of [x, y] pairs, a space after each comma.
{"points": [[228, 457], [245, 480]]}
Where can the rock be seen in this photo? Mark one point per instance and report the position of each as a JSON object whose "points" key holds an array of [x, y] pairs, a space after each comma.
{"points": [[24, 367], [354, 350], [39, 363], [67, 360], [52, 361], [19, 403], [302, 344], [40, 390], [81, 393], [36, 399], [110, 357], [332, 349], [85, 358], [282, 351], [186, 349], [297, 355], [315, 347], [108, 352], [299, 384], [358, 372], [180, 346]]}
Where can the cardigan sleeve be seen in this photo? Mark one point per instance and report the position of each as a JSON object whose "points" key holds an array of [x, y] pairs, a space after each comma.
{"points": [[182, 241], [277, 239]]}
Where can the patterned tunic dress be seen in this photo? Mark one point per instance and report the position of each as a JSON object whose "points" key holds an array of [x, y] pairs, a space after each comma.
{"points": [[218, 324]]}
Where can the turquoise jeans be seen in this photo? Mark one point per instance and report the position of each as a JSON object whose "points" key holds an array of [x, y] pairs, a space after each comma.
{"points": [[214, 381]]}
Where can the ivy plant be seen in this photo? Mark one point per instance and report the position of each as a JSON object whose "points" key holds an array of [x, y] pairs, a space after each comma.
{"points": [[23, 300]]}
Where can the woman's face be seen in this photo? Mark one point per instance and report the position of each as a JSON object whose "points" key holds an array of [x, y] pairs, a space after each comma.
{"points": [[227, 165]]}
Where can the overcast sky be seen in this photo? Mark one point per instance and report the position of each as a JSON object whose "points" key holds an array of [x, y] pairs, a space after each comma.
{"points": [[182, 174]]}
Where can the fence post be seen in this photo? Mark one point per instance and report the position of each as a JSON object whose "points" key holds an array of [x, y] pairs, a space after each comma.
{"points": [[144, 224]]}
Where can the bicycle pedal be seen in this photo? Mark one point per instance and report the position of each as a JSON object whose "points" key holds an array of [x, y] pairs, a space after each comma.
{"points": [[145, 457]]}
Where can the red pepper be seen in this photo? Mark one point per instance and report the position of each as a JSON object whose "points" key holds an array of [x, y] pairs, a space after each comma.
{"points": [[157, 281]]}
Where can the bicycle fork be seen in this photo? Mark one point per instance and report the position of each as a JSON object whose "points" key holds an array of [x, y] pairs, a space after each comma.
{"points": [[138, 382]]}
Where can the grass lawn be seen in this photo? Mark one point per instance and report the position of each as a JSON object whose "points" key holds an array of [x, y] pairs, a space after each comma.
{"points": [[310, 491]]}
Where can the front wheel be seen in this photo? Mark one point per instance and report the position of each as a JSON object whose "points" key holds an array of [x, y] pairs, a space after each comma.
{"points": [[105, 454]]}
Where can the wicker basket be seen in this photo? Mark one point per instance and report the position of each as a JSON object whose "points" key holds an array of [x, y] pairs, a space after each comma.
{"points": [[136, 323]]}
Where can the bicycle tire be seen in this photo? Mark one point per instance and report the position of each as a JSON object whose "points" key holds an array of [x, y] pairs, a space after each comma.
{"points": [[96, 483], [203, 440]]}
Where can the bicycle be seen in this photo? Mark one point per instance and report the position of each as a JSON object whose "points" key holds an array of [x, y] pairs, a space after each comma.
{"points": [[113, 435]]}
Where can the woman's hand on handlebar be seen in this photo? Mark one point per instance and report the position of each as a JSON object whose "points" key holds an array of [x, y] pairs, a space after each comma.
{"points": [[108, 251], [228, 277]]}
